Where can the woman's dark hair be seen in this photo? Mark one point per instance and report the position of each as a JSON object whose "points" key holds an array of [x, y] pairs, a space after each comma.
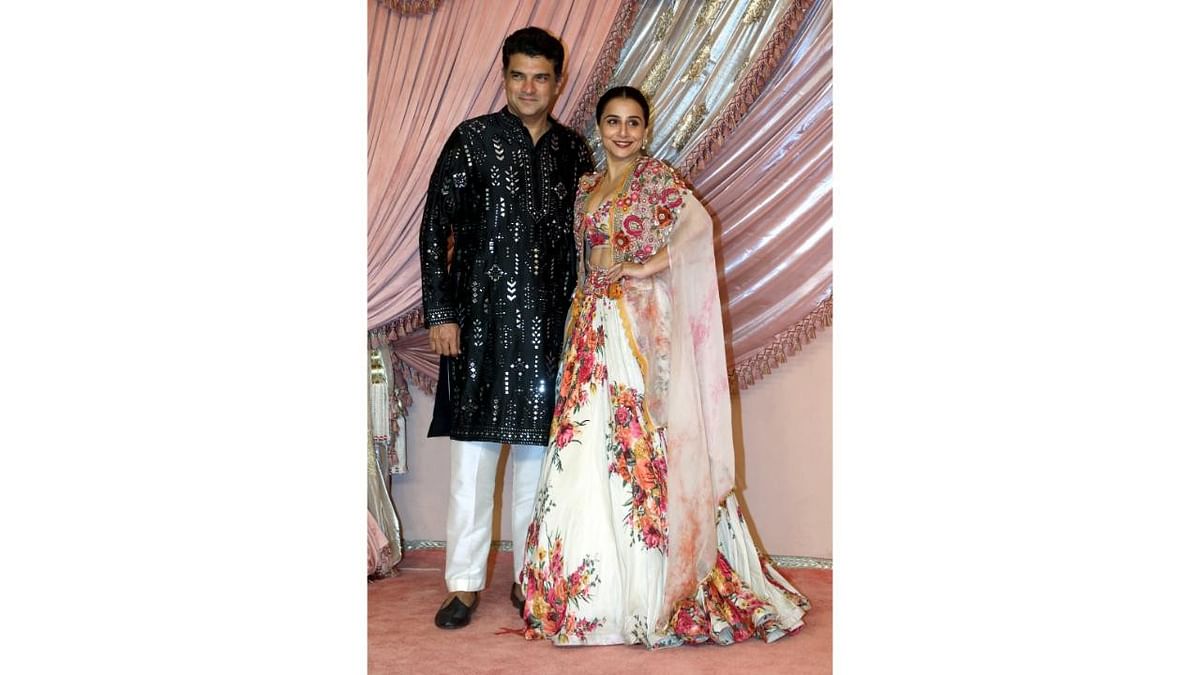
{"points": [[623, 92], [533, 41]]}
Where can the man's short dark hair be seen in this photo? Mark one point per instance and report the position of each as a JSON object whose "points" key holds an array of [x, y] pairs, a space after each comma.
{"points": [[533, 41]]}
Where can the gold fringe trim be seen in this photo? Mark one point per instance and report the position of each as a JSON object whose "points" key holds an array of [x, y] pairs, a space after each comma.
{"points": [[748, 89], [411, 7], [606, 65], [759, 364]]}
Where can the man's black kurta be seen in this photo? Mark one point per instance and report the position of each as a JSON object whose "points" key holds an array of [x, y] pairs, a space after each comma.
{"points": [[509, 206]]}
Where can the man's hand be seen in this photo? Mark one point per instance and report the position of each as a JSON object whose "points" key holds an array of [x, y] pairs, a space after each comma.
{"points": [[443, 339]]}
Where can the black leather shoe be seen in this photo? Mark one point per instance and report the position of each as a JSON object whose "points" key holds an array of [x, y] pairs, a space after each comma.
{"points": [[455, 614], [517, 601]]}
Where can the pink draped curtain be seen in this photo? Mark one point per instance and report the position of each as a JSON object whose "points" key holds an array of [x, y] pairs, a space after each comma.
{"points": [[764, 171], [426, 74]]}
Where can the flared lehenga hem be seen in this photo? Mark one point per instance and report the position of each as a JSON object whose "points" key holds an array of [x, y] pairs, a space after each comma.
{"points": [[596, 550], [742, 597]]}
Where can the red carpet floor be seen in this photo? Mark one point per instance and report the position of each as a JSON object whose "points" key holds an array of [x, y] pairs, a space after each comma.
{"points": [[401, 637]]}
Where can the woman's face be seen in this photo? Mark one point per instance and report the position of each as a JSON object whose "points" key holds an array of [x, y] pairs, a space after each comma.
{"points": [[622, 129]]}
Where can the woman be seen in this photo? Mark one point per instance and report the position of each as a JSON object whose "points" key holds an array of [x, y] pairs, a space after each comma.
{"points": [[636, 535]]}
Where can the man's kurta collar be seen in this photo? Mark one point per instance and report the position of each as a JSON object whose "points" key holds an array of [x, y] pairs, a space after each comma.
{"points": [[515, 123]]}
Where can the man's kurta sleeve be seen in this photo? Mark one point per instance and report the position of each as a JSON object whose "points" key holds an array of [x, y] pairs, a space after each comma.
{"points": [[444, 204]]}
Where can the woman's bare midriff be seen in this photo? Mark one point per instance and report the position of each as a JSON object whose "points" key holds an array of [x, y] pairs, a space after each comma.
{"points": [[601, 257]]}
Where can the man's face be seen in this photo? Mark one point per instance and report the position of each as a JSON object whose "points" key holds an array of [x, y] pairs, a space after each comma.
{"points": [[530, 85]]}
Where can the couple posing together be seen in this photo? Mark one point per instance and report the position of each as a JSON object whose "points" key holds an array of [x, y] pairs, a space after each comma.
{"points": [[625, 525]]}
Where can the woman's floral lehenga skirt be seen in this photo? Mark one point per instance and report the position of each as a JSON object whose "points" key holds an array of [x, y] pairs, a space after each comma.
{"points": [[596, 548]]}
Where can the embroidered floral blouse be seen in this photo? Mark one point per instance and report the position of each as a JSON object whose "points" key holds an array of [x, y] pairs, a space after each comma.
{"points": [[638, 219]]}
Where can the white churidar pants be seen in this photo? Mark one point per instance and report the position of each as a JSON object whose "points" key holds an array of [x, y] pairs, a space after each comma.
{"points": [[469, 514]]}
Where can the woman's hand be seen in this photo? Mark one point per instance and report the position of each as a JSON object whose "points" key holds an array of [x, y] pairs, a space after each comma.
{"points": [[626, 269], [653, 265]]}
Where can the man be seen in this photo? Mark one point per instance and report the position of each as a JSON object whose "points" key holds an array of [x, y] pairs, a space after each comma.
{"points": [[496, 302]]}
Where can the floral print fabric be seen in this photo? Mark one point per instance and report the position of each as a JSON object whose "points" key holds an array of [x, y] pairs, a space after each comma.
{"points": [[596, 548]]}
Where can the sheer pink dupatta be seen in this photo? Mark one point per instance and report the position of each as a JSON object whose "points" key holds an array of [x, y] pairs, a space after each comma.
{"points": [[675, 318], [699, 432]]}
